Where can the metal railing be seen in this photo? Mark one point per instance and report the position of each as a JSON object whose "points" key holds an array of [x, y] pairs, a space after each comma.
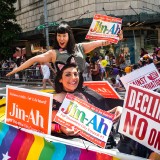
{"points": [[27, 76]]}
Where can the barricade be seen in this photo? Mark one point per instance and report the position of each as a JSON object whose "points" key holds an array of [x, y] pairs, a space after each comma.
{"points": [[28, 76]]}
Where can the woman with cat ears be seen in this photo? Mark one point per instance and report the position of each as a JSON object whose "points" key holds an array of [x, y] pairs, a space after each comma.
{"points": [[68, 80], [65, 46]]}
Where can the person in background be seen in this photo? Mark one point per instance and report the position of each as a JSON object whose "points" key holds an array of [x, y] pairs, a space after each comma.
{"points": [[123, 65], [5, 67], [95, 57], [103, 64], [45, 67], [135, 66], [145, 60], [119, 75], [95, 71], [87, 72], [107, 57], [64, 46], [12, 65], [115, 70], [157, 59], [117, 85], [143, 52]]}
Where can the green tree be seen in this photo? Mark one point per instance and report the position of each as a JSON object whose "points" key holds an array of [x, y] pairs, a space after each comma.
{"points": [[9, 29]]}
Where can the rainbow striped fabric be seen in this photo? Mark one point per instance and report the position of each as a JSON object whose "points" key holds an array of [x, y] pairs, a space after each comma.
{"points": [[16, 144]]}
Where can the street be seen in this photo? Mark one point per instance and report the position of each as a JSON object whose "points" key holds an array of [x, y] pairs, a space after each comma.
{"points": [[33, 87]]}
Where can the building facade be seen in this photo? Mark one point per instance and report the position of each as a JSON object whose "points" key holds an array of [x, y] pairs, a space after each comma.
{"points": [[141, 21]]}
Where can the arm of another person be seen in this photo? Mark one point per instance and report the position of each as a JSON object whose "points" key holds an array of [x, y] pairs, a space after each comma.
{"points": [[89, 46], [155, 61], [49, 56], [117, 113], [95, 68]]}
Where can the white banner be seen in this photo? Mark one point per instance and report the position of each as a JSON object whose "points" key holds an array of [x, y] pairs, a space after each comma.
{"points": [[147, 77], [140, 119]]}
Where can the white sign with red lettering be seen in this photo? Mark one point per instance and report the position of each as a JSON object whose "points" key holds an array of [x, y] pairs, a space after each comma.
{"points": [[104, 27], [147, 77], [94, 124], [140, 119]]}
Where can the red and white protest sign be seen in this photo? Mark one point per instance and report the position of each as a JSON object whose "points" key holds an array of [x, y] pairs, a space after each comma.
{"points": [[29, 109], [94, 124], [140, 119], [104, 28], [147, 77], [103, 88]]}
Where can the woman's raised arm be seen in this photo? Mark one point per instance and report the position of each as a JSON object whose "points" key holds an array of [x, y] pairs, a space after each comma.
{"points": [[89, 46], [49, 56]]}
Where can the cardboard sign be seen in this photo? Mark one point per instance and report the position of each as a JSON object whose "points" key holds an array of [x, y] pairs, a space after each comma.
{"points": [[94, 124], [147, 77], [29, 109], [104, 28], [103, 88], [140, 119]]}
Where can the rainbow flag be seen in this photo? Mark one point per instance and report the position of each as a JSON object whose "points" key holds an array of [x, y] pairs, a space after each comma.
{"points": [[16, 144]]}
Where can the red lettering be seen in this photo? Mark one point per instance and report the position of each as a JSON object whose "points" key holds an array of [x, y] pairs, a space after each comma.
{"points": [[152, 137], [142, 126], [157, 142], [129, 124]]}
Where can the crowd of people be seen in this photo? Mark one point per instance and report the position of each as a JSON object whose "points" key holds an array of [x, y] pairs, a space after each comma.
{"points": [[70, 74]]}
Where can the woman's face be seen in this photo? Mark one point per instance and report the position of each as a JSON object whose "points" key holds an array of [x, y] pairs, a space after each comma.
{"points": [[70, 79], [62, 39]]}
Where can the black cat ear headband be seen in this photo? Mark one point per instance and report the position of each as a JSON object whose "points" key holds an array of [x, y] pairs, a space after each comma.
{"points": [[60, 65]]}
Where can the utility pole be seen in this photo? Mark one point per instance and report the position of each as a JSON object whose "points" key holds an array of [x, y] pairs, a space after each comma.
{"points": [[46, 24]]}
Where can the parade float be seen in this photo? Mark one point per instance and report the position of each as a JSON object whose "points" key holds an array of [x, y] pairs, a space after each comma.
{"points": [[25, 129], [25, 116]]}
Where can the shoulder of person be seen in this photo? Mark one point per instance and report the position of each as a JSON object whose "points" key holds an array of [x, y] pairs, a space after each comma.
{"points": [[88, 91], [59, 97]]}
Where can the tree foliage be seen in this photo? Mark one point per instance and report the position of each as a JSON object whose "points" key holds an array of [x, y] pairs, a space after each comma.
{"points": [[9, 29]]}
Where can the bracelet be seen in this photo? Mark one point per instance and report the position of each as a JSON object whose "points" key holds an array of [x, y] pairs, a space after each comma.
{"points": [[56, 128]]}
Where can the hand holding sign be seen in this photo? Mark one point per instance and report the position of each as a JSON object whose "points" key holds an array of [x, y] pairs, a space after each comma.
{"points": [[117, 113], [69, 132]]}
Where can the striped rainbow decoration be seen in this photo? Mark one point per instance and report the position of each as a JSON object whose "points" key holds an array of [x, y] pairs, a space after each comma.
{"points": [[16, 144]]}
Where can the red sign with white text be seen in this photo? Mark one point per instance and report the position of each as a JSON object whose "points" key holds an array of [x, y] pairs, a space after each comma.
{"points": [[140, 119], [29, 109], [103, 88]]}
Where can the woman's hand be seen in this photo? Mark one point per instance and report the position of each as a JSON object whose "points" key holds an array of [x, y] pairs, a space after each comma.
{"points": [[12, 72], [117, 113], [69, 132]]}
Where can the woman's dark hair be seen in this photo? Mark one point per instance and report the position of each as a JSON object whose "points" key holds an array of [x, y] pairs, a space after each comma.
{"points": [[59, 86], [63, 28]]}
